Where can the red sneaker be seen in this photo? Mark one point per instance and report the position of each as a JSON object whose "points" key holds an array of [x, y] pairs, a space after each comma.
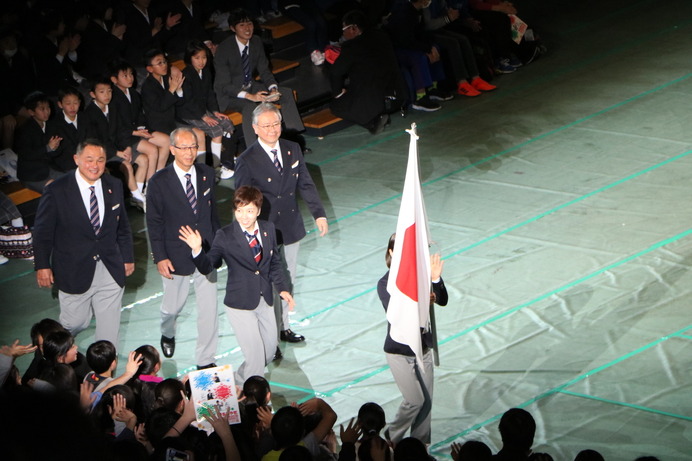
{"points": [[481, 85], [466, 89]]}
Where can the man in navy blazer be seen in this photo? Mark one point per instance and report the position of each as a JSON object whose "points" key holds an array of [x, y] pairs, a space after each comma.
{"points": [[277, 168], [182, 194], [238, 90], [83, 244], [248, 246]]}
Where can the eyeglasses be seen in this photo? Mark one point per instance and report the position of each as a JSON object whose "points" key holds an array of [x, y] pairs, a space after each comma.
{"points": [[270, 125], [343, 29], [188, 148], [159, 63]]}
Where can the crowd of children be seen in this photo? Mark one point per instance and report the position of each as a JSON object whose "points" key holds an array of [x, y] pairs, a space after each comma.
{"points": [[84, 410]]}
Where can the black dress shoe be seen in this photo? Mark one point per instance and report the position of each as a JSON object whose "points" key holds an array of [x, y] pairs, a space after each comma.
{"points": [[208, 365], [168, 346], [278, 355], [379, 124], [291, 337]]}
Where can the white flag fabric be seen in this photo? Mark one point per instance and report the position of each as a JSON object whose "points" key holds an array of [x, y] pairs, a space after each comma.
{"points": [[409, 272]]}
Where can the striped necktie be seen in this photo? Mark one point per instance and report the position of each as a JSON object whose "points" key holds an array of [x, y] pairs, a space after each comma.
{"points": [[245, 58], [254, 245], [190, 193], [277, 164], [94, 211]]}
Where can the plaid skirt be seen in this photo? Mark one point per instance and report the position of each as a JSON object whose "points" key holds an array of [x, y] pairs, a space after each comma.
{"points": [[225, 126]]}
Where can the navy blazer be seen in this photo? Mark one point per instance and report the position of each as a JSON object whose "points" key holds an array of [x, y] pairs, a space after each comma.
{"points": [[33, 156], [229, 68], [63, 156], [280, 207], [103, 128], [198, 95], [65, 242], [247, 280], [130, 115], [168, 210], [159, 105]]}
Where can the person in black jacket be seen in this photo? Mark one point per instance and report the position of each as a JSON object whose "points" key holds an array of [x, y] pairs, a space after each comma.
{"points": [[368, 62], [199, 107], [416, 386]]}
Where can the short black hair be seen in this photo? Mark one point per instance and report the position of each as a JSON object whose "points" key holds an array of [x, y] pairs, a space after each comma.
{"points": [[237, 16], [287, 427], [33, 99], [103, 80], [119, 65], [356, 18], [68, 91], [193, 47], [56, 345], [151, 54], [100, 356], [43, 328]]}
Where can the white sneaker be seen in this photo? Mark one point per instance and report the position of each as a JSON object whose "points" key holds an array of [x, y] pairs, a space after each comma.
{"points": [[226, 173], [317, 57], [3, 260]]}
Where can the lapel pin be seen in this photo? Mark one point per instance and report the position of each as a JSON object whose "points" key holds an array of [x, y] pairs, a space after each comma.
{"points": [[110, 191], [204, 178]]}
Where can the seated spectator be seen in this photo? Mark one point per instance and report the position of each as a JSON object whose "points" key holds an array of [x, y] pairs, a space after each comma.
{"points": [[456, 49], [145, 379], [472, 450], [371, 420], [103, 360], [127, 103], [255, 439], [288, 425], [367, 61], [55, 54], [240, 58], [494, 20], [145, 29], [308, 14], [100, 43], [417, 54], [69, 127], [199, 107], [169, 394], [190, 26], [161, 93], [35, 146], [17, 80], [103, 125], [517, 429]]}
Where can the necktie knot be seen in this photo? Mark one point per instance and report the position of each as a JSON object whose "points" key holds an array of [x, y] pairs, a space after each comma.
{"points": [[255, 246]]}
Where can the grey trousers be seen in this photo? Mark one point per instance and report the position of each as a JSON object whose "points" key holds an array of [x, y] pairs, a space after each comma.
{"points": [[289, 260], [416, 388], [103, 300], [175, 293], [255, 331]]}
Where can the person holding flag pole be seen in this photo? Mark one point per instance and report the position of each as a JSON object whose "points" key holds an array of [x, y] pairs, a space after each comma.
{"points": [[407, 296]]}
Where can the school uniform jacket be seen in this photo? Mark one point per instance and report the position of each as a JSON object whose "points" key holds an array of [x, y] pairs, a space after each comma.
{"points": [[33, 155], [129, 113], [198, 95], [65, 242], [280, 206], [168, 210], [247, 279], [159, 105], [63, 156], [102, 127]]}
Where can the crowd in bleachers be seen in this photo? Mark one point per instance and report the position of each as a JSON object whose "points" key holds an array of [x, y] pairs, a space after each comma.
{"points": [[75, 406], [72, 69]]}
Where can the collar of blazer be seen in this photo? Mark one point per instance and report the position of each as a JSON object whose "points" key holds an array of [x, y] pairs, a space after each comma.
{"points": [[109, 200]]}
